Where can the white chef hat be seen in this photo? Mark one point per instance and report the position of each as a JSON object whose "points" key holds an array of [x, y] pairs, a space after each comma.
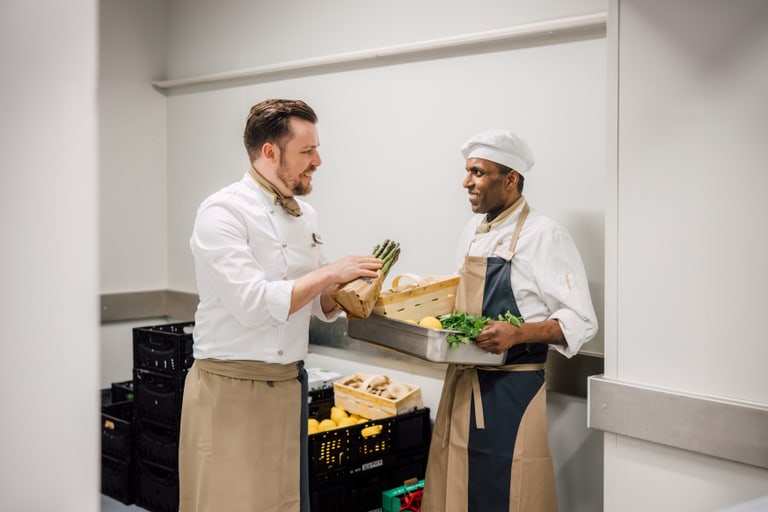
{"points": [[502, 147]]}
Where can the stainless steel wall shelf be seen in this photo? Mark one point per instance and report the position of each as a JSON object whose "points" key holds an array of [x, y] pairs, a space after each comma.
{"points": [[567, 376], [728, 429]]}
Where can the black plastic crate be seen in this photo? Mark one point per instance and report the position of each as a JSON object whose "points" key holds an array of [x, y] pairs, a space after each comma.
{"points": [[158, 444], [122, 391], [118, 479], [163, 348], [320, 402], [348, 449], [117, 420], [360, 491], [157, 488], [329, 498], [106, 396], [158, 396]]}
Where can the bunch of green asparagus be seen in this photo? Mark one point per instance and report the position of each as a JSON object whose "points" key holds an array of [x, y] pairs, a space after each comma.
{"points": [[387, 251]]}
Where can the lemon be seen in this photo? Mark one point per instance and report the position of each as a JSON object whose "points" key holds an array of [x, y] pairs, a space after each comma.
{"points": [[363, 420], [313, 423], [326, 425], [337, 414], [313, 429], [346, 422], [430, 321]]}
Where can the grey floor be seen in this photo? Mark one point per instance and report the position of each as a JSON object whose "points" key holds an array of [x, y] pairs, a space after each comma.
{"points": [[112, 505]]}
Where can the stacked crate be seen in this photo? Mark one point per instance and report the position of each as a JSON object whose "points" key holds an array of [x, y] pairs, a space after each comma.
{"points": [[162, 355], [118, 466]]}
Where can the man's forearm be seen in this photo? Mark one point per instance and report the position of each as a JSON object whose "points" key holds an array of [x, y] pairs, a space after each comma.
{"points": [[309, 286], [548, 331]]}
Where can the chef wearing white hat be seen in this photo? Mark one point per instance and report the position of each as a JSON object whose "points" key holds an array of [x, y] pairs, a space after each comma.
{"points": [[489, 447]]}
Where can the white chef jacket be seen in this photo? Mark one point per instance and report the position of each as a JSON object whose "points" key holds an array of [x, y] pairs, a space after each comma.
{"points": [[247, 253], [547, 274]]}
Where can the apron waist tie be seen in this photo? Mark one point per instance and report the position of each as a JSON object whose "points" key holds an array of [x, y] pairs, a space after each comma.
{"points": [[250, 370], [471, 389]]}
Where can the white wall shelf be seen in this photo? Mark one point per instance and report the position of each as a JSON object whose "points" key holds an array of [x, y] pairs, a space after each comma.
{"points": [[544, 32]]}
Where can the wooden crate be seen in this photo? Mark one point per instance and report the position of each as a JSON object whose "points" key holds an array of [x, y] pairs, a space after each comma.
{"points": [[431, 296], [372, 406]]}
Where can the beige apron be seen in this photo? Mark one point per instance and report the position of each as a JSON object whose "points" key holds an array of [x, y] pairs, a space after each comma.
{"points": [[224, 403], [532, 483]]}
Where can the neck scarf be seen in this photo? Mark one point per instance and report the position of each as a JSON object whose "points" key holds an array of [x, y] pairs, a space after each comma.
{"points": [[486, 226], [289, 204]]}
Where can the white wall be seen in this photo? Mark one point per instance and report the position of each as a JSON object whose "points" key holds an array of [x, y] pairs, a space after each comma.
{"points": [[689, 234], [132, 143], [116, 341], [211, 37], [133, 212], [49, 445]]}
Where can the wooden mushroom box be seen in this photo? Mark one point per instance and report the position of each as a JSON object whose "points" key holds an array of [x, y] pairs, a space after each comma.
{"points": [[376, 396]]}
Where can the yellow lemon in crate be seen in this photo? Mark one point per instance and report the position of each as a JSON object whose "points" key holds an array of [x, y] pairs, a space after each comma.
{"points": [[326, 425], [338, 414], [431, 321], [312, 423], [346, 422], [363, 420]]}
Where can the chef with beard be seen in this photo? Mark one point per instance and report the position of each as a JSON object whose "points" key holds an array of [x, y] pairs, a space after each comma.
{"points": [[261, 275]]}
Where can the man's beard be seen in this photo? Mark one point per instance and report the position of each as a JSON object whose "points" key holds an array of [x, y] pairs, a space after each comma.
{"points": [[297, 188]]}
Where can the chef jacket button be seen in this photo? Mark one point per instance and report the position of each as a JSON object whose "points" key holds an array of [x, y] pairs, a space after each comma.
{"points": [[280, 352]]}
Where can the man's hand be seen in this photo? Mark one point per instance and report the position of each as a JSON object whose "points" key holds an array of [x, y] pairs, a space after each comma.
{"points": [[326, 279], [496, 336], [348, 268], [345, 270]]}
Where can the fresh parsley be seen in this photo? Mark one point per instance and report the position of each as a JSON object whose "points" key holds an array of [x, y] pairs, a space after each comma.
{"points": [[468, 326]]}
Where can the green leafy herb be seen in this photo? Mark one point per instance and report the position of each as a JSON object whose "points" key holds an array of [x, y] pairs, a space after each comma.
{"points": [[469, 326]]}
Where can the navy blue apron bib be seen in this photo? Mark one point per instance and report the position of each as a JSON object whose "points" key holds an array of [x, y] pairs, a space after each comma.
{"points": [[505, 396], [489, 450]]}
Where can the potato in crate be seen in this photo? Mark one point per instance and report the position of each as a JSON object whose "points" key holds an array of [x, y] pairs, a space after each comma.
{"points": [[376, 396]]}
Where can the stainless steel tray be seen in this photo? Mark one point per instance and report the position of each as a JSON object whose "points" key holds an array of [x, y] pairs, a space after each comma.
{"points": [[422, 342]]}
